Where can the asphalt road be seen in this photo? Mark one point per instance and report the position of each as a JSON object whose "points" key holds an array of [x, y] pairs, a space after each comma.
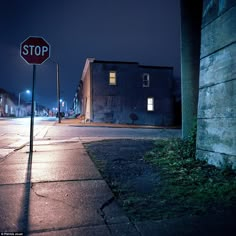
{"points": [[15, 132], [21, 126]]}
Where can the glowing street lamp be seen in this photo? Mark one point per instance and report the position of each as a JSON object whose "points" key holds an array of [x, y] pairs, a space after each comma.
{"points": [[26, 91], [58, 90], [64, 104]]}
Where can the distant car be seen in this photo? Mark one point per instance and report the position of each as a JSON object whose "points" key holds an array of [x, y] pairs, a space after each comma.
{"points": [[62, 114]]}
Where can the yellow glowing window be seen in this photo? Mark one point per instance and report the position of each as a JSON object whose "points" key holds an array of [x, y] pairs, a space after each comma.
{"points": [[112, 78], [150, 104]]}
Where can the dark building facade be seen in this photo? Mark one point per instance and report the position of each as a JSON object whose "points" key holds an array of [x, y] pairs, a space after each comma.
{"points": [[126, 92], [8, 103]]}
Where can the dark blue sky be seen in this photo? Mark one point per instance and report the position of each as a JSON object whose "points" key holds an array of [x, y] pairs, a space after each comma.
{"points": [[144, 31]]}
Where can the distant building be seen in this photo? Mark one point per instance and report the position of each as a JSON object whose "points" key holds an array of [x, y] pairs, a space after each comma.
{"points": [[7, 104], [125, 92]]}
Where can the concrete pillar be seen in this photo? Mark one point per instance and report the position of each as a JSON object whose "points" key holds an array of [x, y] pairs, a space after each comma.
{"points": [[191, 13], [216, 134]]}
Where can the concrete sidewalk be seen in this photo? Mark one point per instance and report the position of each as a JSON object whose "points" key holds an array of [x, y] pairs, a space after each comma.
{"points": [[59, 191], [79, 123]]}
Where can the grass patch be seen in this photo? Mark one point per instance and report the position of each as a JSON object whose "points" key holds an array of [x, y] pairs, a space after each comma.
{"points": [[189, 185], [186, 186]]}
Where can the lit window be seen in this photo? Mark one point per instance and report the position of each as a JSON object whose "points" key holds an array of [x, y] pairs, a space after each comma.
{"points": [[150, 104], [12, 110], [146, 80], [6, 108], [112, 78]]}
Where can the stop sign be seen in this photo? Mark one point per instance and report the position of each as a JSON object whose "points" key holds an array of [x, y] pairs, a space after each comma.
{"points": [[35, 50]]}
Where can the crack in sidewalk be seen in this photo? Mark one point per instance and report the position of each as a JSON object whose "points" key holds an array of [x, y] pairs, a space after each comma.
{"points": [[102, 213], [52, 199]]}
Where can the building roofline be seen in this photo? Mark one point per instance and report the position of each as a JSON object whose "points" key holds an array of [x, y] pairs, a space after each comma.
{"points": [[157, 67], [132, 62], [115, 62]]}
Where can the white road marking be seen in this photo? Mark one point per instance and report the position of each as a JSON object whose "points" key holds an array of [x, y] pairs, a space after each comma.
{"points": [[5, 151], [18, 144]]}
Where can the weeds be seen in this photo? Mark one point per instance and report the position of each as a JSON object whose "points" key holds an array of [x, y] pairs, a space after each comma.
{"points": [[187, 186], [188, 183]]}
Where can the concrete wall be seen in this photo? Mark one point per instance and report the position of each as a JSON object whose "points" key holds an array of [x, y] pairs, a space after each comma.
{"points": [[191, 12], [216, 134], [85, 92]]}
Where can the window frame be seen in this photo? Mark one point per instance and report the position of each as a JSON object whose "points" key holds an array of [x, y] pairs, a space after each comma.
{"points": [[112, 77], [150, 105], [146, 80]]}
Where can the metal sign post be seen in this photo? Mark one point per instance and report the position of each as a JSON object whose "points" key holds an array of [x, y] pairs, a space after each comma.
{"points": [[34, 50], [32, 111]]}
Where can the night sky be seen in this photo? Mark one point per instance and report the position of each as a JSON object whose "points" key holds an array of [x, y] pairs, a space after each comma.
{"points": [[144, 31]]}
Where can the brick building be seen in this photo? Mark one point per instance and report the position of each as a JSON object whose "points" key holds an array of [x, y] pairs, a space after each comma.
{"points": [[125, 92]]}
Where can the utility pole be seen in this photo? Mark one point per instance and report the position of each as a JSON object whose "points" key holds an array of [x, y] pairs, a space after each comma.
{"points": [[58, 95], [19, 105]]}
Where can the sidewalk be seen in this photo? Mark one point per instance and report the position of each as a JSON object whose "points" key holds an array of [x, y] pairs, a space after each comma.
{"points": [[77, 122], [59, 191]]}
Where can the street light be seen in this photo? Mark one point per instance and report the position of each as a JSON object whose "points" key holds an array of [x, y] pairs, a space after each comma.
{"points": [[58, 95], [58, 90], [26, 91], [64, 104]]}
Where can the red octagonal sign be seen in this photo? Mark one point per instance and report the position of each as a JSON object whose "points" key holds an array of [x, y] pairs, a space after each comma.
{"points": [[35, 50]]}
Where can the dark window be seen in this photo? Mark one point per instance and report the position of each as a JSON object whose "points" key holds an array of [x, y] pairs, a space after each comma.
{"points": [[146, 80]]}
